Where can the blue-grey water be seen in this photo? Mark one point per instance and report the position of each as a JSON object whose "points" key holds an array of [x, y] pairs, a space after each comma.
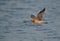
{"points": [[15, 24]]}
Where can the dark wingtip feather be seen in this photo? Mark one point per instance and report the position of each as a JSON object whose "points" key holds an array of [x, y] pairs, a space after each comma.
{"points": [[42, 10]]}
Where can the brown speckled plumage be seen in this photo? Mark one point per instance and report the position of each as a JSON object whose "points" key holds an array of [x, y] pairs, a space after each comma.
{"points": [[39, 16]]}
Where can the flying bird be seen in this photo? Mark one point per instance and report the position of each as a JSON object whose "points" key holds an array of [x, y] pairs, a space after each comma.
{"points": [[38, 18]]}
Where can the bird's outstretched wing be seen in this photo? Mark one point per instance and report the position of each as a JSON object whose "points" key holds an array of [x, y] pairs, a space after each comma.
{"points": [[40, 14], [33, 17]]}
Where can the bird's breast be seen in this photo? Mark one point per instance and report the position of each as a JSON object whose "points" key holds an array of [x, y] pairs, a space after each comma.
{"points": [[38, 22]]}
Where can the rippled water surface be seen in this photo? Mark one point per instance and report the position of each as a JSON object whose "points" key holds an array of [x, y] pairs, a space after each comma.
{"points": [[15, 24]]}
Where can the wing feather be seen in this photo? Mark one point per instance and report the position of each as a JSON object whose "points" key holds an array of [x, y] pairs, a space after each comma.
{"points": [[40, 14]]}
